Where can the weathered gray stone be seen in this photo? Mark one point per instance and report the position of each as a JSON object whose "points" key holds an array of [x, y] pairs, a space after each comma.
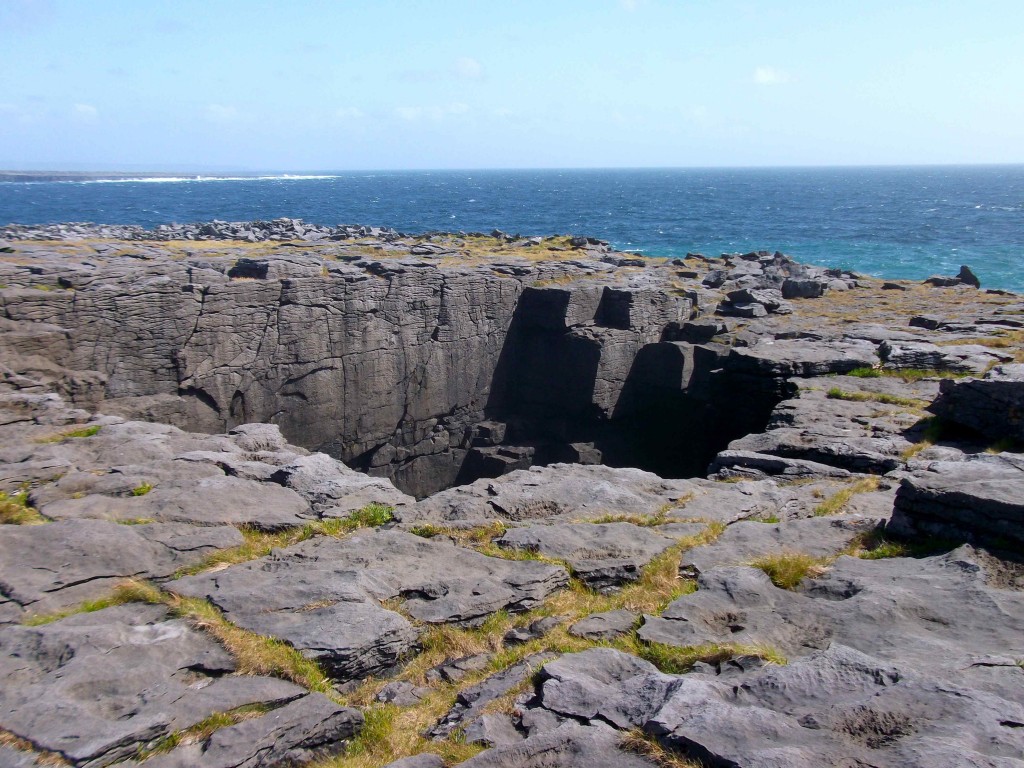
{"points": [[604, 626], [743, 541], [937, 615], [980, 501], [306, 729], [992, 405], [568, 746], [46, 568], [963, 358], [603, 555], [561, 490], [471, 702], [839, 707], [323, 596], [97, 687], [210, 501], [801, 358]]}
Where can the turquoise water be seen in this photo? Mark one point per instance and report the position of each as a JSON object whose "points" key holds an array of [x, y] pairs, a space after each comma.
{"points": [[889, 222]]}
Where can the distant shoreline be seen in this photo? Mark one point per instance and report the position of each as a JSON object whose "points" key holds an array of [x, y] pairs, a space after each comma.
{"points": [[24, 176]]}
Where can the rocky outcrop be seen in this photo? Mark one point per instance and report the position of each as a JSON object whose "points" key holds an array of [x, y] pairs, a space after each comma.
{"points": [[993, 405], [497, 377]]}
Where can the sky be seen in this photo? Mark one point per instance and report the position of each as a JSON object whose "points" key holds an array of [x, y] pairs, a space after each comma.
{"points": [[404, 84]]}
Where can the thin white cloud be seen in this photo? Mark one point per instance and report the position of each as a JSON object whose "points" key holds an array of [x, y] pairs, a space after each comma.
{"points": [[435, 113], [221, 113], [629, 5], [770, 76], [84, 113], [349, 113], [468, 68]]}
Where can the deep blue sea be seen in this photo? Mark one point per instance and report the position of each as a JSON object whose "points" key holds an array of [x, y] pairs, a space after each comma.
{"points": [[889, 222]]}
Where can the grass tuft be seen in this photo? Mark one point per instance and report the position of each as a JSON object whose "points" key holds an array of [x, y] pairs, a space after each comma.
{"points": [[678, 660], [865, 373], [127, 592], [875, 545], [73, 434], [835, 393], [254, 654], [933, 429], [15, 510], [142, 490], [835, 503], [260, 544], [639, 743], [788, 569], [41, 757]]}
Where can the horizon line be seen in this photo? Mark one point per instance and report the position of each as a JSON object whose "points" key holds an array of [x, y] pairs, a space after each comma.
{"points": [[258, 171]]}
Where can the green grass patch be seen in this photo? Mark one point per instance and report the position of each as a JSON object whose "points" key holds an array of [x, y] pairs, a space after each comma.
{"points": [[911, 375], [766, 519], [205, 728], [835, 393], [128, 592], [73, 434], [254, 654], [142, 490], [865, 373], [875, 545], [15, 510], [678, 660], [259, 544]]}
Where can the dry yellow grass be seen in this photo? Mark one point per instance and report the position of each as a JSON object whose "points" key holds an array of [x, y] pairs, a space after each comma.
{"points": [[8, 739], [15, 510], [639, 743], [788, 569], [834, 504]]}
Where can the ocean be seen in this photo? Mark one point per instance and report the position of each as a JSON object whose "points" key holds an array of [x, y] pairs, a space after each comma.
{"points": [[887, 222]]}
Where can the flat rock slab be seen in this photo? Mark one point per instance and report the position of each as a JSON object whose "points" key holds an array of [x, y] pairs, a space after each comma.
{"points": [[208, 501], [323, 596], [304, 730], [799, 357], [729, 502], [961, 358], [851, 435], [566, 491], [745, 541], [834, 707], [602, 555], [568, 746], [938, 615], [98, 687], [979, 501], [604, 626], [992, 405], [47, 568]]}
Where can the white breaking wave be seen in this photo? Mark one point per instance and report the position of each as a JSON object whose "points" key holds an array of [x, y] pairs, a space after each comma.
{"points": [[181, 179]]}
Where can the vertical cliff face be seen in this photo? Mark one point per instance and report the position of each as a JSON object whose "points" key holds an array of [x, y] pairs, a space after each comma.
{"points": [[428, 371]]}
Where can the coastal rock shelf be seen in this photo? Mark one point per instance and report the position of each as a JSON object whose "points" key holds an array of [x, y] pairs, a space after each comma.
{"points": [[274, 494]]}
